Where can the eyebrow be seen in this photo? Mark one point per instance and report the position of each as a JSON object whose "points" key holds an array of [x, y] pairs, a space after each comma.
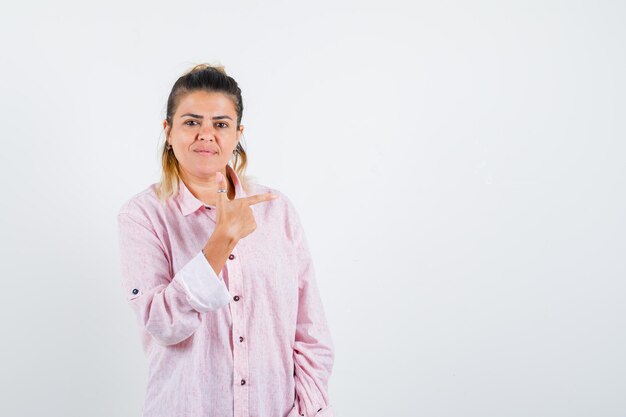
{"points": [[197, 116]]}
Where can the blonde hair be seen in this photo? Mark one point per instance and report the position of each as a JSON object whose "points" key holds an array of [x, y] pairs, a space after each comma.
{"points": [[202, 77]]}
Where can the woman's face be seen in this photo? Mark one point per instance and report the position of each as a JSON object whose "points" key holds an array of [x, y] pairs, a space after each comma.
{"points": [[204, 133]]}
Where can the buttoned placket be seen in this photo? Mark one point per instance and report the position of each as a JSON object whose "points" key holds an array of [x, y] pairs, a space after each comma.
{"points": [[241, 382]]}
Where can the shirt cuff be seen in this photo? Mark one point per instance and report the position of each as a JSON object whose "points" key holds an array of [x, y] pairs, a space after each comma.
{"points": [[205, 290]]}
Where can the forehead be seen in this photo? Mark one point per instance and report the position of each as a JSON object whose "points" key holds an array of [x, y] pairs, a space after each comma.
{"points": [[203, 102]]}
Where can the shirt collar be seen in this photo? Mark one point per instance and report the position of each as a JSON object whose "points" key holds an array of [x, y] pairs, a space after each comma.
{"points": [[189, 203]]}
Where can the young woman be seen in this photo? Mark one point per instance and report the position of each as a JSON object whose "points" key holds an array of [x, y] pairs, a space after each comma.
{"points": [[219, 275]]}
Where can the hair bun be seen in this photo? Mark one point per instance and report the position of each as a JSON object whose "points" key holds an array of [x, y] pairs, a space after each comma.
{"points": [[200, 67]]}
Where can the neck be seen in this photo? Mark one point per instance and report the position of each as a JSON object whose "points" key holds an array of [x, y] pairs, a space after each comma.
{"points": [[205, 189]]}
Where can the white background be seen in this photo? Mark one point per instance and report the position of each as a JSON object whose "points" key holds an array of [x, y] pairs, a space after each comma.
{"points": [[459, 168]]}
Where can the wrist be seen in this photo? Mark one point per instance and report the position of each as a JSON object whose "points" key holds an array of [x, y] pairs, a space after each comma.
{"points": [[222, 239]]}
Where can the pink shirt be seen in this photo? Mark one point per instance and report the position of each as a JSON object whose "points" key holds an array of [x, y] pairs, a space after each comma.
{"points": [[252, 341]]}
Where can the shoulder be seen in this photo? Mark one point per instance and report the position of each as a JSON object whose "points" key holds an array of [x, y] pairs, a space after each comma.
{"points": [[142, 205], [281, 210], [283, 201]]}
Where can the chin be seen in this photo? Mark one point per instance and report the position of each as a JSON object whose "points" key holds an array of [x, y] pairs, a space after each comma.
{"points": [[209, 170]]}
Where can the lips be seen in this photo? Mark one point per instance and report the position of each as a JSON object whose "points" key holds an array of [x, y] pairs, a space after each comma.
{"points": [[205, 151]]}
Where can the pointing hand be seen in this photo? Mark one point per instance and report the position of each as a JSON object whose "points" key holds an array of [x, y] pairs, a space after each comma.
{"points": [[235, 217]]}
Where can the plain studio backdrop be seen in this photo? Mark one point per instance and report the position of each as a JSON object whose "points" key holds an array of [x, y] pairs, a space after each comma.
{"points": [[459, 168]]}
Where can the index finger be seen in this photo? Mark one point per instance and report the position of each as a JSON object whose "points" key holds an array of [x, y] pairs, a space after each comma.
{"points": [[259, 198]]}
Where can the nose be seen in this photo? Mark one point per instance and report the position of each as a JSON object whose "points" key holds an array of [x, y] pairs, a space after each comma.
{"points": [[207, 132]]}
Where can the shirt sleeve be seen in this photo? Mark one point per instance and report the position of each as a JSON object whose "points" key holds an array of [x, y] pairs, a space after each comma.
{"points": [[313, 351], [169, 308]]}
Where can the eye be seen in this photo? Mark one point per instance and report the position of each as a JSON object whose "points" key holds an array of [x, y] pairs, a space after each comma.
{"points": [[190, 121], [222, 123]]}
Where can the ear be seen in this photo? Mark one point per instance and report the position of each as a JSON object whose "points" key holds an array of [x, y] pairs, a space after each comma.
{"points": [[165, 127], [240, 132]]}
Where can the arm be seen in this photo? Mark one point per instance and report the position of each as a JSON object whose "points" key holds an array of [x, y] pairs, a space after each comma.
{"points": [[313, 351], [169, 308]]}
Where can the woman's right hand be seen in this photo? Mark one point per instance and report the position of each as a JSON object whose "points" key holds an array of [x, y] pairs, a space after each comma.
{"points": [[234, 218]]}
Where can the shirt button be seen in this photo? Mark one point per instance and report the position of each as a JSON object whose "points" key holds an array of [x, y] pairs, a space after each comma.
{"points": [[241, 338], [231, 256], [236, 298], [243, 382]]}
